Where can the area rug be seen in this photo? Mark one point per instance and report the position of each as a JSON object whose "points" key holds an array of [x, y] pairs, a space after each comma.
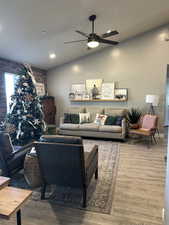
{"points": [[100, 192]]}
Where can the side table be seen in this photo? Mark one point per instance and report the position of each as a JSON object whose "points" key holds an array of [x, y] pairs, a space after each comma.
{"points": [[32, 171]]}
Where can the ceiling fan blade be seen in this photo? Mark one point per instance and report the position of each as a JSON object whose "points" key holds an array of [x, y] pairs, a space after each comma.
{"points": [[110, 42], [82, 33], [114, 32], [69, 42]]}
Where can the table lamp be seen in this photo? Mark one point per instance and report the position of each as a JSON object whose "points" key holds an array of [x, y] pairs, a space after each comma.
{"points": [[153, 100]]}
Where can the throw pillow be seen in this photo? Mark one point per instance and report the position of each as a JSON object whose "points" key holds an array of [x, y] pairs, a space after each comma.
{"points": [[71, 118], [67, 118], [75, 118], [111, 120], [84, 117], [100, 119], [118, 120]]}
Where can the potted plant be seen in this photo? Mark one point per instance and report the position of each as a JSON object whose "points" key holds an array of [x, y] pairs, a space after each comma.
{"points": [[133, 117]]}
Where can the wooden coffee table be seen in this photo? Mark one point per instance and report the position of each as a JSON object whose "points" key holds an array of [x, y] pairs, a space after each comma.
{"points": [[11, 200], [4, 181]]}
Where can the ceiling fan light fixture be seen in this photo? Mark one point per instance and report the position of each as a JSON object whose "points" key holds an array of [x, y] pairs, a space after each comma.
{"points": [[93, 44], [109, 31]]}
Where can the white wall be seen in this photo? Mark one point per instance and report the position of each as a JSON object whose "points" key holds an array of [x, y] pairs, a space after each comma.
{"points": [[139, 64]]}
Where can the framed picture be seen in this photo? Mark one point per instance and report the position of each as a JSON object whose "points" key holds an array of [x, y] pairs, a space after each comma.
{"points": [[90, 84], [121, 93], [78, 88], [108, 90], [77, 91], [40, 88]]}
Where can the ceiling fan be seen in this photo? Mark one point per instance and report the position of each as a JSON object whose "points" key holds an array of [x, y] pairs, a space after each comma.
{"points": [[93, 40]]}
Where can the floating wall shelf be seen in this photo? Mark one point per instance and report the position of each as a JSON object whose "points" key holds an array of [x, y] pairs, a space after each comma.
{"points": [[99, 100]]}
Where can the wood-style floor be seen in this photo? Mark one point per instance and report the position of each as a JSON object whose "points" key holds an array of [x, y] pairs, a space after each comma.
{"points": [[138, 197]]}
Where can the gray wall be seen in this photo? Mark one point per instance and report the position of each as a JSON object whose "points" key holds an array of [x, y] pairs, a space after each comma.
{"points": [[139, 64]]}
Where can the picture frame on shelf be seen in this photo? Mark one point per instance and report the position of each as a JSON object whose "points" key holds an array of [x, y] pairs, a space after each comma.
{"points": [[40, 89], [108, 90], [91, 82], [121, 93]]}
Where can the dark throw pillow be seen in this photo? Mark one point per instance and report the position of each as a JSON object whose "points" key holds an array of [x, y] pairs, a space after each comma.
{"points": [[75, 118], [111, 120], [71, 118], [118, 120], [67, 118]]}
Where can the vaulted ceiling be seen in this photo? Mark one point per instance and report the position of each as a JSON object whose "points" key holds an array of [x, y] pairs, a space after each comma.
{"points": [[32, 29]]}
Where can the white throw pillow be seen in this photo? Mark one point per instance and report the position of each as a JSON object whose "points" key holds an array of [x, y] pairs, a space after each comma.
{"points": [[84, 118], [100, 119]]}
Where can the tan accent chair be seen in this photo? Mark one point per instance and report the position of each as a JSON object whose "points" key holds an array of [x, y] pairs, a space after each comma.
{"points": [[148, 127]]}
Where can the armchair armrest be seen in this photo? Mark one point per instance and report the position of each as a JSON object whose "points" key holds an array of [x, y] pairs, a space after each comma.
{"points": [[124, 128], [61, 120], [21, 148], [91, 156]]}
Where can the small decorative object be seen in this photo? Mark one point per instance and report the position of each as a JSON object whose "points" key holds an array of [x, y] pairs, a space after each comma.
{"points": [[95, 92], [71, 95], [121, 93], [133, 117], [78, 90], [40, 89], [153, 100]]}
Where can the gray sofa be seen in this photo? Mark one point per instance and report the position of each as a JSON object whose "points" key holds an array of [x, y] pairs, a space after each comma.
{"points": [[93, 130]]}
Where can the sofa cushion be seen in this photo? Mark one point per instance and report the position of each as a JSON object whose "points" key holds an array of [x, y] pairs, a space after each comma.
{"points": [[109, 128], [89, 126], [69, 126]]}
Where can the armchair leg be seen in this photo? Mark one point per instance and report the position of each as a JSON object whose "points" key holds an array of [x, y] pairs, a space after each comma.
{"points": [[43, 189], [154, 139], [96, 174], [84, 197]]}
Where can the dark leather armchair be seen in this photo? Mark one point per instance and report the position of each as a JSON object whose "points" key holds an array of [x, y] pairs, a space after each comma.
{"points": [[11, 157], [63, 162]]}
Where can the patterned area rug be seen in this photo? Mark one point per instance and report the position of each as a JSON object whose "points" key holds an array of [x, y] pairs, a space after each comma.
{"points": [[100, 192]]}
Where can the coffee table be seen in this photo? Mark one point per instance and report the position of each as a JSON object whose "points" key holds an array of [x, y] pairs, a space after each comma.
{"points": [[11, 200]]}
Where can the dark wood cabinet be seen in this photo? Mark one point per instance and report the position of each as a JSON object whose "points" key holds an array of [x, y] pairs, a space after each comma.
{"points": [[49, 109]]}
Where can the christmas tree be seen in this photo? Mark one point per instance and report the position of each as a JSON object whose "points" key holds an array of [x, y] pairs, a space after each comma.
{"points": [[25, 117]]}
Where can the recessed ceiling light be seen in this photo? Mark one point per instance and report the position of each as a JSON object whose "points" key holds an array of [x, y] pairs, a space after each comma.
{"points": [[52, 56], [44, 32], [109, 31]]}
